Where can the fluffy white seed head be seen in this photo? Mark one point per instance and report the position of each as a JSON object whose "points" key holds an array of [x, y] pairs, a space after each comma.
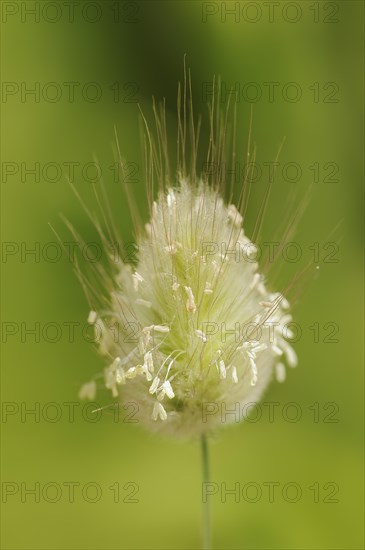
{"points": [[191, 330], [207, 330]]}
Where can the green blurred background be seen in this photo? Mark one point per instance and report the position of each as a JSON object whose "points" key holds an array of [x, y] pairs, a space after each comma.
{"points": [[137, 48]]}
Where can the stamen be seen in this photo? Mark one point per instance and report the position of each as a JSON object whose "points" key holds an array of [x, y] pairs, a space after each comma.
{"points": [[144, 340], [280, 372], [148, 361], [290, 354], [156, 328], [171, 248], [253, 372], [137, 278], [208, 289], [145, 303], [117, 371], [120, 375], [158, 411], [222, 370], [175, 286], [88, 390], [168, 389], [132, 372], [92, 317], [266, 304], [251, 251], [154, 385], [171, 199], [201, 335], [161, 394], [110, 381], [190, 302]]}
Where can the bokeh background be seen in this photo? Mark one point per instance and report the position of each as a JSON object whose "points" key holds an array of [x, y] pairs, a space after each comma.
{"points": [[133, 50]]}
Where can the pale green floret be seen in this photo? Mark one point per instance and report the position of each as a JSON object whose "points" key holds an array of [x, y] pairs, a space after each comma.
{"points": [[197, 329]]}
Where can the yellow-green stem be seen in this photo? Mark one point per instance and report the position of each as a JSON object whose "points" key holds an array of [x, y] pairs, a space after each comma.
{"points": [[205, 501]]}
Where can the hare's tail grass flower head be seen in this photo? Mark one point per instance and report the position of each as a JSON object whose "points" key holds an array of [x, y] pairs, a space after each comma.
{"points": [[195, 281]]}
